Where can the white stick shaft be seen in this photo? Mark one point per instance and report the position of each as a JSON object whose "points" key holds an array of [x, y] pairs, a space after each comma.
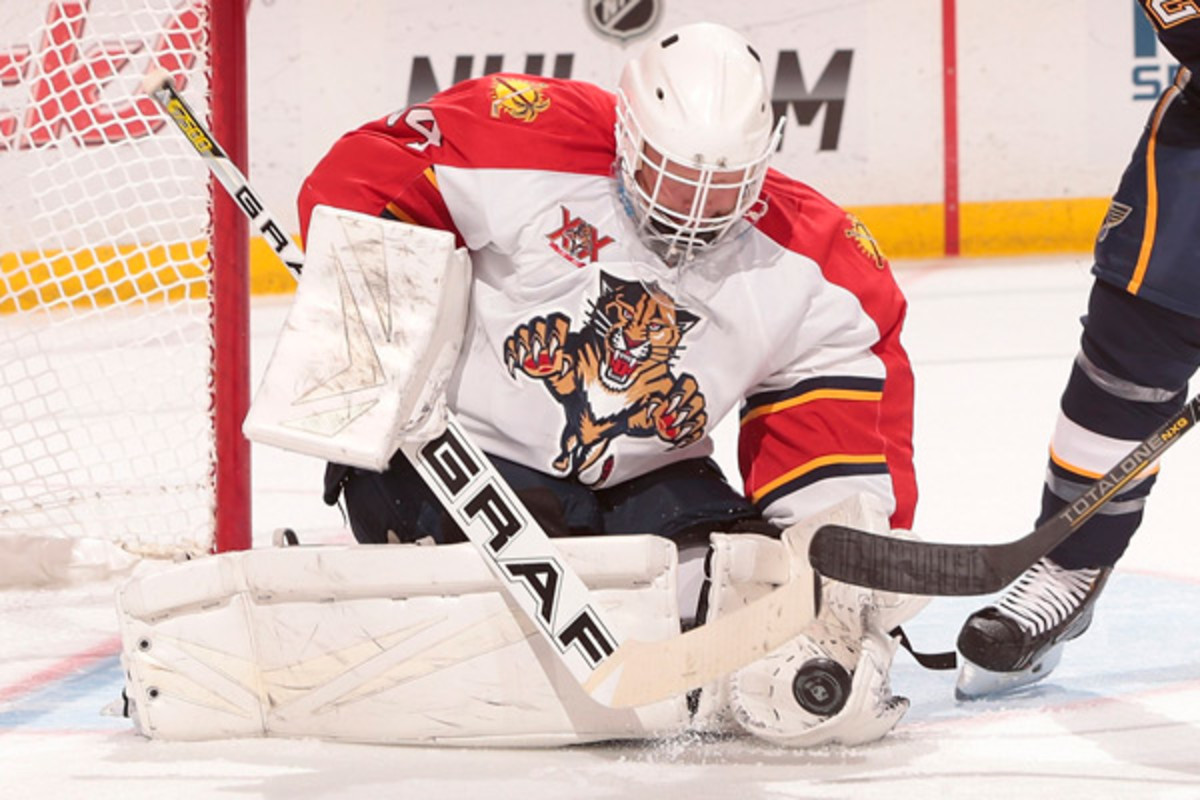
{"points": [[514, 545]]}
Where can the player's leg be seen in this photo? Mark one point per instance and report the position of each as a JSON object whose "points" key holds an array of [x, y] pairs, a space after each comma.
{"points": [[1140, 346], [1130, 376], [685, 502], [681, 501], [399, 644], [390, 506], [827, 685]]}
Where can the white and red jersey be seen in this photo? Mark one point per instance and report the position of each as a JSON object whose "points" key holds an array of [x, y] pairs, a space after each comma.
{"points": [[588, 357]]}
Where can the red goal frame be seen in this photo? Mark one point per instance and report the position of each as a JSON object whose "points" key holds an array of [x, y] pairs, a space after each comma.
{"points": [[230, 281]]}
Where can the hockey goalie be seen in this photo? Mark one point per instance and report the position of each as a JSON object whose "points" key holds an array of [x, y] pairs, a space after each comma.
{"points": [[579, 284]]}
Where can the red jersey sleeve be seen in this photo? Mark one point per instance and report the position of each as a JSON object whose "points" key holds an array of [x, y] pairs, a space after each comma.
{"points": [[389, 166], [833, 425]]}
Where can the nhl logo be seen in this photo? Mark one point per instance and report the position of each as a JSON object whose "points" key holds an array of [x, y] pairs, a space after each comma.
{"points": [[622, 19]]}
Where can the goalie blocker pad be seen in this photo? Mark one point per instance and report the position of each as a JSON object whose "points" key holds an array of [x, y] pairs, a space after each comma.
{"points": [[390, 644], [369, 344]]}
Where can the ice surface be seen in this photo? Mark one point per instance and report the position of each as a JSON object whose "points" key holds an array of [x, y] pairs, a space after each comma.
{"points": [[992, 343]]}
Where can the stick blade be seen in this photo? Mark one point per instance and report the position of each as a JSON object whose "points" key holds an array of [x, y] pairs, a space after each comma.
{"points": [[904, 565]]}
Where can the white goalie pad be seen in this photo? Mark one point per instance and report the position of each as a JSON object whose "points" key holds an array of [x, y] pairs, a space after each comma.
{"points": [[741, 569], [390, 644], [369, 344]]}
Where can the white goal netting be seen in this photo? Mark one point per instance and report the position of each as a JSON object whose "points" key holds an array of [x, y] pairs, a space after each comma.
{"points": [[105, 342]]}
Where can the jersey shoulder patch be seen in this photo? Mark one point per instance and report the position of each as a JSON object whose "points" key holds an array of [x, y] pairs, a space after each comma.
{"points": [[802, 220], [512, 121]]}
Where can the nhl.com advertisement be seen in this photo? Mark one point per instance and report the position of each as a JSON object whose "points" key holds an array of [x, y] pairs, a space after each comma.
{"points": [[796, 93], [886, 103]]}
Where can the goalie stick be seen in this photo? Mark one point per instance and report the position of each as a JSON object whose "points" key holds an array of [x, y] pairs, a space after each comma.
{"points": [[934, 568], [516, 548]]}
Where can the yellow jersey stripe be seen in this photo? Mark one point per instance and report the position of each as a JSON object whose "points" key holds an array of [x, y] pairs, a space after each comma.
{"points": [[400, 214], [808, 397], [1087, 473], [1151, 223], [816, 463]]}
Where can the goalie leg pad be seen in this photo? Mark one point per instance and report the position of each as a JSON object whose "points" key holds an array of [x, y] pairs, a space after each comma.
{"points": [[740, 569], [391, 644]]}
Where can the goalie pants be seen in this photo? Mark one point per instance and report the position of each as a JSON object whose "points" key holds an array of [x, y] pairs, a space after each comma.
{"points": [[684, 501], [1131, 376]]}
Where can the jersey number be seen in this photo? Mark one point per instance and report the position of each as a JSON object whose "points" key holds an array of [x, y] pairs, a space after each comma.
{"points": [[1173, 12], [421, 120]]}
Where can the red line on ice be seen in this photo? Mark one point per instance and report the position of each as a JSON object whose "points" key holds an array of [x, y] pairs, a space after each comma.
{"points": [[63, 669]]}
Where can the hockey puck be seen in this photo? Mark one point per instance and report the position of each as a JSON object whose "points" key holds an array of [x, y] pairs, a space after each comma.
{"points": [[821, 687]]}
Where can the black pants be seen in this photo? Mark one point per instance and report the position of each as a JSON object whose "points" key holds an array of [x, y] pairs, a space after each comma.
{"points": [[684, 501], [1162, 270], [1140, 344]]}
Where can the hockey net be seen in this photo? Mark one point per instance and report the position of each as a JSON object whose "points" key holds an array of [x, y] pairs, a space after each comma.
{"points": [[107, 444]]}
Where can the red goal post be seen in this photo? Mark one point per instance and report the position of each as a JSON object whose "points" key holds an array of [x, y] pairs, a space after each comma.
{"points": [[231, 307], [124, 296]]}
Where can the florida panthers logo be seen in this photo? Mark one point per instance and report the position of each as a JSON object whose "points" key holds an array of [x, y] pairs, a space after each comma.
{"points": [[613, 378], [865, 241], [520, 99]]}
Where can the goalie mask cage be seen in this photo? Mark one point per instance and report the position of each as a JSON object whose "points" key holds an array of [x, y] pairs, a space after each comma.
{"points": [[123, 280]]}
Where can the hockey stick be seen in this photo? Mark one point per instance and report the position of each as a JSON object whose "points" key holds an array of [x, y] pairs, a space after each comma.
{"points": [[933, 568], [516, 548]]}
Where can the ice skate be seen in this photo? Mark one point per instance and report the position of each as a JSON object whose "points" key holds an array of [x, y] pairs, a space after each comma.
{"points": [[1019, 640]]}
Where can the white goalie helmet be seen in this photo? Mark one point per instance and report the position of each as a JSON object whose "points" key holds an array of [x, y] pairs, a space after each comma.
{"points": [[695, 129]]}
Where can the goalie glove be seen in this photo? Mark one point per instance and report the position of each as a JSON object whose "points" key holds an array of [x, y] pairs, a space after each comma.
{"points": [[830, 685], [805, 694]]}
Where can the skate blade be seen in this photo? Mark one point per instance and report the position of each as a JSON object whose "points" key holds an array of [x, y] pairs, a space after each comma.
{"points": [[975, 682]]}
